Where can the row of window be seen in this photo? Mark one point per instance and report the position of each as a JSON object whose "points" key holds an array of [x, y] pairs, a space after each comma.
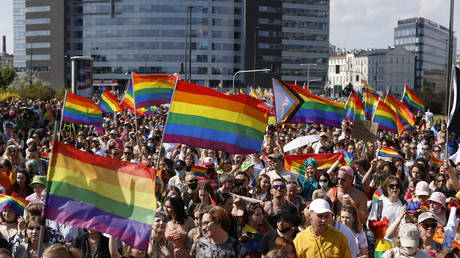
{"points": [[166, 70], [33, 9], [116, 45], [165, 58], [106, 20], [180, 9]]}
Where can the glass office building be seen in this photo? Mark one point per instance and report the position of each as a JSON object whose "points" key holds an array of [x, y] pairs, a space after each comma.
{"points": [[429, 41], [151, 37]]}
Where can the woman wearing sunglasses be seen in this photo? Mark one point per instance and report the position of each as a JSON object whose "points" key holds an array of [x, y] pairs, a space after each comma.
{"points": [[427, 223]]}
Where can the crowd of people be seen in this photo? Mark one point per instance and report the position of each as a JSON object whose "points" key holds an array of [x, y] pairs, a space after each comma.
{"points": [[245, 205]]}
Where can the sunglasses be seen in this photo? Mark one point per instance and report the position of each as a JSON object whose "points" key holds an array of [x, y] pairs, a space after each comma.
{"points": [[393, 186], [227, 163], [426, 149], [323, 181], [281, 187], [427, 226]]}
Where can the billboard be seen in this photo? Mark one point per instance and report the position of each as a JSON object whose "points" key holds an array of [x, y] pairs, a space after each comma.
{"points": [[82, 76]]}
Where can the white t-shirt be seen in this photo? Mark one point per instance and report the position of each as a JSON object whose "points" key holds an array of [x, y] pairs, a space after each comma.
{"points": [[350, 237], [391, 210], [397, 254]]}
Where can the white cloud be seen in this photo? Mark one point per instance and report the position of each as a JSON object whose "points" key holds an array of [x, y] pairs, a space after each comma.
{"points": [[367, 24]]}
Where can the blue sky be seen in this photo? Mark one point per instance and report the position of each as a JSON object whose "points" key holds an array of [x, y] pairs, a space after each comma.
{"points": [[354, 23]]}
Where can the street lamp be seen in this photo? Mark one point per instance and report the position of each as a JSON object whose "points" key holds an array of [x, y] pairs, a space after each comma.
{"points": [[308, 72], [247, 71]]}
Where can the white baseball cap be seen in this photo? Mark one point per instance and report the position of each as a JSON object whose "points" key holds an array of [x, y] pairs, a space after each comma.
{"points": [[409, 235], [320, 206]]}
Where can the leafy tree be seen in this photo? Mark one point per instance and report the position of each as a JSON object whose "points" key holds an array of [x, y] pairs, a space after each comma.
{"points": [[39, 89], [7, 75]]}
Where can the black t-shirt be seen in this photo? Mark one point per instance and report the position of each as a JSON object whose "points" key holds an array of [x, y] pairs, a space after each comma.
{"points": [[268, 240]]}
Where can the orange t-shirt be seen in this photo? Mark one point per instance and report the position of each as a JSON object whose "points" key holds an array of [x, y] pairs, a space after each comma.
{"points": [[5, 181]]}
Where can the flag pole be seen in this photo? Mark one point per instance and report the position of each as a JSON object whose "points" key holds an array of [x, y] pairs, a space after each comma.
{"points": [[166, 122], [62, 116], [135, 115], [449, 73]]}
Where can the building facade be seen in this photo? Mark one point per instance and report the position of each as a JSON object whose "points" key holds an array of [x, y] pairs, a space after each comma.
{"points": [[220, 37], [383, 69], [429, 42]]}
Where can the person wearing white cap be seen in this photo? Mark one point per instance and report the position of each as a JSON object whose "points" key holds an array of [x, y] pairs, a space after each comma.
{"points": [[409, 242], [321, 239], [427, 223]]}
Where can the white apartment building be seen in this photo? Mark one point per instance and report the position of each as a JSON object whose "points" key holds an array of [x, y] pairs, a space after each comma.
{"points": [[384, 70]]}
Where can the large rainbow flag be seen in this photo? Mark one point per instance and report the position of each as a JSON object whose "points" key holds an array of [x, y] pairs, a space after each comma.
{"points": [[109, 103], [412, 100], [402, 111], [153, 89], [80, 110], [298, 106], [370, 103], [354, 109], [107, 195], [202, 117], [388, 120], [325, 161]]}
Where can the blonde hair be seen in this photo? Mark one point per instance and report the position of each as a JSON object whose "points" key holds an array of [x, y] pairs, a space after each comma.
{"points": [[60, 251]]}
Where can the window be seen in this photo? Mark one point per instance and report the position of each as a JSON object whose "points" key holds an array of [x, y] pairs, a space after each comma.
{"points": [[38, 33], [32, 9]]}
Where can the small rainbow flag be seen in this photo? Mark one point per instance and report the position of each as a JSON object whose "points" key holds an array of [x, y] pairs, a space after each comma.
{"points": [[253, 93], [198, 171], [367, 86], [387, 119], [128, 100], [389, 152], [370, 101], [377, 194], [325, 161], [15, 202], [229, 92], [153, 89], [240, 91], [80, 110], [402, 111], [412, 100], [109, 103], [354, 109], [435, 162], [48, 117]]}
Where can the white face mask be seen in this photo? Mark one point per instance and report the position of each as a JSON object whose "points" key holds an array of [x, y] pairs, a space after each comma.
{"points": [[408, 250], [322, 184]]}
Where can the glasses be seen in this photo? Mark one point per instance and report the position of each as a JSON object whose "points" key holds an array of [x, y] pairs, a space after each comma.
{"points": [[206, 223], [279, 187], [437, 150], [426, 149], [323, 181], [427, 226], [393, 186]]}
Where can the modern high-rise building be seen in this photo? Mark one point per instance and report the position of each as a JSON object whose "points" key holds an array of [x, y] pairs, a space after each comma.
{"points": [[429, 41], [220, 37], [292, 38]]}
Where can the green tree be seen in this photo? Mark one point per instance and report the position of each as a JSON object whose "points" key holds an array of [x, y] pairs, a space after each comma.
{"points": [[39, 89], [7, 75]]}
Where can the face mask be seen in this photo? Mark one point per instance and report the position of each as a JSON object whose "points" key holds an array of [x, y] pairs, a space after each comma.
{"points": [[193, 186], [150, 145], [180, 173], [322, 184], [284, 230], [408, 250]]}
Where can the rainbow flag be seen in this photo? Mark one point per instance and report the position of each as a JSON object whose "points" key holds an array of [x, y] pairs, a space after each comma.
{"points": [[412, 100], [370, 103], [298, 106], [325, 161], [253, 93], [15, 202], [368, 87], [205, 118], [128, 100], [388, 120], [198, 171], [435, 162], [354, 109], [79, 110], [229, 92], [151, 90], [348, 156], [402, 111], [48, 118], [377, 194], [109, 103], [240, 91], [146, 111], [107, 195], [389, 153]]}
